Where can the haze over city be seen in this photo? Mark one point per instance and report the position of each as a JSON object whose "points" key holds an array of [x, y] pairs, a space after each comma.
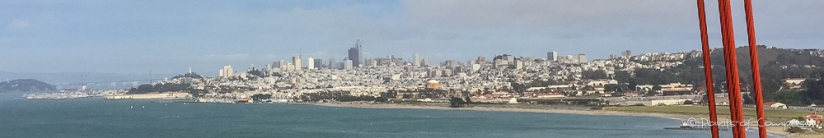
{"points": [[169, 37]]}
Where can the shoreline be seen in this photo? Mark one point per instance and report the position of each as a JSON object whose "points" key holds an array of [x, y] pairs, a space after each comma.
{"points": [[774, 131], [495, 109]]}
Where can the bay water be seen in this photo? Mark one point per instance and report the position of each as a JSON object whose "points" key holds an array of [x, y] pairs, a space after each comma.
{"points": [[99, 118]]}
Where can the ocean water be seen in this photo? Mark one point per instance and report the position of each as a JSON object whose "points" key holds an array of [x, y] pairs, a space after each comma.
{"points": [[98, 118]]}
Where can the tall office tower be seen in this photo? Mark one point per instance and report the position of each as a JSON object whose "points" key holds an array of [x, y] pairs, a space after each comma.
{"points": [[355, 53], [424, 62], [348, 64], [296, 61], [332, 63], [626, 54], [282, 65], [416, 60], [582, 58], [227, 71], [310, 63], [318, 63], [552, 56]]}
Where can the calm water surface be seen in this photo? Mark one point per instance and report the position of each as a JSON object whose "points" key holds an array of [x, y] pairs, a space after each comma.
{"points": [[98, 118]]}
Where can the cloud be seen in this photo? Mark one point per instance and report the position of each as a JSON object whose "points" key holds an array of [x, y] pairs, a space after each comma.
{"points": [[18, 24], [559, 16]]}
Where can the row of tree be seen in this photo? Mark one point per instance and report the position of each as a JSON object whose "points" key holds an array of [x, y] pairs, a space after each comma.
{"points": [[159, 87], [813, 92]]}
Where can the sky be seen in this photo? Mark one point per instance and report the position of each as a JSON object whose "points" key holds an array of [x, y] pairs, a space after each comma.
{"points": [[127, 37]]}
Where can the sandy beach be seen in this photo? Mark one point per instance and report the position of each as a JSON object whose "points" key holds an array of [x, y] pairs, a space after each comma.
{"points": [[772, 130]]}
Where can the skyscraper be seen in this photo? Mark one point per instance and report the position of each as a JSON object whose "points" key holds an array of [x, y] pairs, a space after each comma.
{"points": [[318, 63], [332, 63], [355, 54], [416, 60], [296, 61], [310, 63], [552, 56], [227, 71], [281, 65], [582, 58]]}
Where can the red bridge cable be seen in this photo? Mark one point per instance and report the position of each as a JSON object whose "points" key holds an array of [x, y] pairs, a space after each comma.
{"points": [[702, 21], [725, 52], [756, 73], [735, 76], [731, 62]]}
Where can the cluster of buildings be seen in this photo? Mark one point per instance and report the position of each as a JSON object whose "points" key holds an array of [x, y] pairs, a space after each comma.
{"points": [[480, 78]]}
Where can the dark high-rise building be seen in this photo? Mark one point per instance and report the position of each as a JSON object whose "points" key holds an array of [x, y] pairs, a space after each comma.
{"points": [[355, 54], [318, 63]]}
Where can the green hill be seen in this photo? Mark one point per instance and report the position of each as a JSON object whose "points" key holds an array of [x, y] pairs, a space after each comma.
{"points": [[25, 85], [776, 64]]}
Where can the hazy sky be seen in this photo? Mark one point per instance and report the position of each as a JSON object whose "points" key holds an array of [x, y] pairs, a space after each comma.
{"points": [[171, 36]]}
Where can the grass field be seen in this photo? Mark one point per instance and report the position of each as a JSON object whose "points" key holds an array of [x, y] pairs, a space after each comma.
{"points": [[723, 112]]}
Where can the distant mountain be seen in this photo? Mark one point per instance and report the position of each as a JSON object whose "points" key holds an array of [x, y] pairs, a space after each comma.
{"points": [[82, 77], [25, 85]]}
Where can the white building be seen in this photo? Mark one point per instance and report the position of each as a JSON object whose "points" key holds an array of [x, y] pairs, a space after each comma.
{"points": [[348, 64], [552, 56], [416, 59], [310, 63], [297, 62], [227, 71], [282, 65]]}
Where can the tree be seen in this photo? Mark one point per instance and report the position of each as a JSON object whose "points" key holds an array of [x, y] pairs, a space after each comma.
{"points": [[260, 97], [456, 102], [633, 83], [748, 99], [381, 99], [814, 90], [622, 76], [795, 130], [594, 74], [656, 87], [611, 87], [589, 88], [518, 87], [190, 75]]}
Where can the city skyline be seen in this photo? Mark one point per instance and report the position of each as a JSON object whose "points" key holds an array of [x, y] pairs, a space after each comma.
{"points": [[165, 37]]}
